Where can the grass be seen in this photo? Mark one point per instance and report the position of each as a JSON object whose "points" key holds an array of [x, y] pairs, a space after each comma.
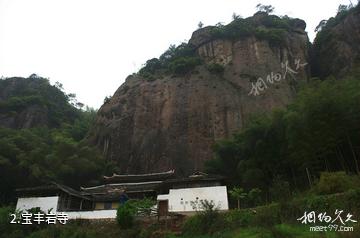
{"points": [[277, 231]]}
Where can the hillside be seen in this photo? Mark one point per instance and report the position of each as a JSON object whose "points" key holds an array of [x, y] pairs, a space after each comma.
{"points": [[41, 137], [31, 102]]}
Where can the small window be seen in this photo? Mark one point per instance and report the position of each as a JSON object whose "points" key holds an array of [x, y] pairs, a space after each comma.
{"points": [[107, 205]]}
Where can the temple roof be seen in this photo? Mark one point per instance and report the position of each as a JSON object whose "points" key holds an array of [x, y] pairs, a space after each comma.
{"points": [[51, 188], [123, 187], [122, 178]]}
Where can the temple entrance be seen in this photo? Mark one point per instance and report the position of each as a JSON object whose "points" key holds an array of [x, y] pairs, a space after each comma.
{"points": [[163, 207]]}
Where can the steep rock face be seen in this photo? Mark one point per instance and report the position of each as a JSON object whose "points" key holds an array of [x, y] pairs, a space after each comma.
{"points": [[172, 122], [337, 48]]}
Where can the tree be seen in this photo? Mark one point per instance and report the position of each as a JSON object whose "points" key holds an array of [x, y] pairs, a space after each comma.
{"points": [[107, 99], [343, 8], [265, 8], [321, 25], [238, 194], [59, 86], [254, 195], [235, 16], [280, 189], [125, 215], [34, 76], [200, 25]]}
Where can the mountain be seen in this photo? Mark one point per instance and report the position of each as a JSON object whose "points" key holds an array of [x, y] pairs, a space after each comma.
{"points": [[31, 102], [336, 48], [170, 113]]}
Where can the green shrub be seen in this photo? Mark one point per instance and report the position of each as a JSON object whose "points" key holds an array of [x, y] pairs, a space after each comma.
{"points": [[274, 36], [142, 207], [237, 29], [216, 68], [207, 221], [336, 182], [280, 190], [267, 216], [125, 215], [5, 219], [352, 198], [272, 21], [64, 232], [184, 65], [177, 60], [236, 218], [269, 27]]}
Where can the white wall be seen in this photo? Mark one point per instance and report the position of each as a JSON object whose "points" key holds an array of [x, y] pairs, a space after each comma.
{"points": [[45, 203], [180, 199], [96, 214]]}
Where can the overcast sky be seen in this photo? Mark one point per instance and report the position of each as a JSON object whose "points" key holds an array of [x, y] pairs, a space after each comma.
{"points": [[90, 46]]}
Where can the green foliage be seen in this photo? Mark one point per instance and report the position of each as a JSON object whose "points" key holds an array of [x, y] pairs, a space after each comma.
{"points": [[183, 58], [207, 221], [280, 190], [274, 36], [56, 150], [255, 196], [268, 27], [142, 207], [74, 229], [184, 65], [25, 92], [275, 220], [125, 215], [176, 60], [216, 68], [267, 216], [237, 29], [33, 156], [238, 194], [53, 152], [265, 8], [337, 182], [318, 132], [5, 227], [137, 207], [239, 218]]}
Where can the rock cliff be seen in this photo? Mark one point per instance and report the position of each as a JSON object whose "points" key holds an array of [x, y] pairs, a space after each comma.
{"points": [[172, 121], [336, 46]]}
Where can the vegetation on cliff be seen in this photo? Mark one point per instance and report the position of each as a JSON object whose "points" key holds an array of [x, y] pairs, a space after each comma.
{"points": [[332, 39], [176, 60], [264, 26], [18, 94]]}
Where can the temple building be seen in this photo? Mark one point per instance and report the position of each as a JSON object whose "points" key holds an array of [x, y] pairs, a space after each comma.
{"points": [[173, 195]]}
